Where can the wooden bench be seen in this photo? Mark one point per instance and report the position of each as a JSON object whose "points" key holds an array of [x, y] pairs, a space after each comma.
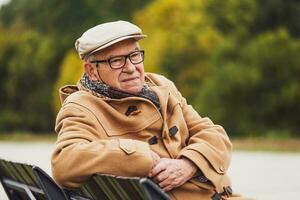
{"points": [[22, 181], [107, 187]]}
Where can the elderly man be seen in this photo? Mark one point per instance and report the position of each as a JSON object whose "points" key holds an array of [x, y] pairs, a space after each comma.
{"points": [[120, 120]]}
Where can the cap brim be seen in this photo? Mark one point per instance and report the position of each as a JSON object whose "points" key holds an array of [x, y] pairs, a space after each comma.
{"points": [[137, 37]]}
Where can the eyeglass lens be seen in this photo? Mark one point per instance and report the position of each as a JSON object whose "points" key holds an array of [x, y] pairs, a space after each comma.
{"points": [[135, 57]]}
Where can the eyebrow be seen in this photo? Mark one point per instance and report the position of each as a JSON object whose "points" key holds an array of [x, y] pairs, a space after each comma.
{"points": [[135, 49]]}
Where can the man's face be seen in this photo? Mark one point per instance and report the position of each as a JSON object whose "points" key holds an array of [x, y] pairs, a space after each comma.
{"points": [[129, 78]]}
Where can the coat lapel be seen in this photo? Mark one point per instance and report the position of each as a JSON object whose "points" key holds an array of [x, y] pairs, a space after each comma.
{"points": [[163, 95]]}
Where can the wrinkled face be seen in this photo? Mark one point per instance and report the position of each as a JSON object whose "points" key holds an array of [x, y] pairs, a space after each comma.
{"points": [[129, 78]]}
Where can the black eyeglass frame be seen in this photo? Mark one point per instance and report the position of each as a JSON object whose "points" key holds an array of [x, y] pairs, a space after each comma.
{"points": [[125, 56]]}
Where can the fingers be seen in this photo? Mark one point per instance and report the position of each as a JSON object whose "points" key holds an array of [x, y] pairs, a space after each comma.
{"points": [[171, 182], [171, 173], [159, 167], [161, 176]]}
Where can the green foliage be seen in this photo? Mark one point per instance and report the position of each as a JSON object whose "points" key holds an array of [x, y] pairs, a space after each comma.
{"points": [[255, 88], [230, 15], [70, 72], [181, 41], [235, 61], [66, 20], [278, 13], [25, 80], [35, 37]]}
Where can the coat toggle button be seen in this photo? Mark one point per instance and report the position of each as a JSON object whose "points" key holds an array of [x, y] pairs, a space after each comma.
{"points": [[152, 140], [173, 131], [130, 109]]}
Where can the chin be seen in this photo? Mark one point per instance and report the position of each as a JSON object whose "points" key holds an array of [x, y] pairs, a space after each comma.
{"points": [[134, 90]]}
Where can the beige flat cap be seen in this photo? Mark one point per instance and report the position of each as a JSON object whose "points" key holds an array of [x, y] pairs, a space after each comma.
{"points": [[105, 35]]}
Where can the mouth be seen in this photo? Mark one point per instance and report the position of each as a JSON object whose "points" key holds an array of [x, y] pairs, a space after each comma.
{"points": [[130, 79]]}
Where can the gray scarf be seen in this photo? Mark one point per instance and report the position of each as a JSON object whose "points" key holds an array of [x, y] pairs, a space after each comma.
{"points": [[102, 89]]}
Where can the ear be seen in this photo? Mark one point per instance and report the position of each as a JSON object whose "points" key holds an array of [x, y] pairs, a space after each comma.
{"points": [[90, 71]]}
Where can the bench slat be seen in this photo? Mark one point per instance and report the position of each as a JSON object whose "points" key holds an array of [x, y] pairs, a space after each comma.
{"points": [[29, 170], [29, 178]]}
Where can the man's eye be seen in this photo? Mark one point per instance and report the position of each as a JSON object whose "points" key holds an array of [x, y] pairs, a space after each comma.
{"points": [[116, 61], [135, 56]]}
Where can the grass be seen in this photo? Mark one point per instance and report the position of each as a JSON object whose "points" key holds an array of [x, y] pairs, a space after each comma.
{"points": [[244, 144], [267, 144], [27, 137]]}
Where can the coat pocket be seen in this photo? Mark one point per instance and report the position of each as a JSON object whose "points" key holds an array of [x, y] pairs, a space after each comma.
{"points": [[127, 145]]}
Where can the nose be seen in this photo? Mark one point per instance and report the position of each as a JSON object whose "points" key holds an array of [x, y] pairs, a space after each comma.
{"points": [[129, 67]]}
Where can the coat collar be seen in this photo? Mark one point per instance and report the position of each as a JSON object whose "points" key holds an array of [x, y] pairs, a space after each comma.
{"points": [[162, 92], [163, 95]]}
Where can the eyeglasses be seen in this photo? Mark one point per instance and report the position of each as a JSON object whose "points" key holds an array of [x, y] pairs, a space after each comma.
{"points": [[118, 62]]}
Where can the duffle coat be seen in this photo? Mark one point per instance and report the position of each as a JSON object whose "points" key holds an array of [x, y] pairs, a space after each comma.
{"points": [[114, 136]]}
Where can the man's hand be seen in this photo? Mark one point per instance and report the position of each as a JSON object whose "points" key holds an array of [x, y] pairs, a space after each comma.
{"points": [[170, 173]]}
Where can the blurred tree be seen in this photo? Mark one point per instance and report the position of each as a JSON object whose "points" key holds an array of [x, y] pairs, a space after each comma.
{"points": [[181, 41], [277, 13], [254, 89], [232, 15], [35, 37], [255, 16], [243, 72], [65, 20], [25, 80], [236, 61], [70, 72], [253, 74]]}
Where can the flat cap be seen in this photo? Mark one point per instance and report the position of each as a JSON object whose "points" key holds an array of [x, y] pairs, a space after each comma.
{"points": [[105, 35]]}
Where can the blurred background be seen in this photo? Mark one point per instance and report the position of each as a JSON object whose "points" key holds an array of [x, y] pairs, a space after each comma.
{"points": [[237, 62]]}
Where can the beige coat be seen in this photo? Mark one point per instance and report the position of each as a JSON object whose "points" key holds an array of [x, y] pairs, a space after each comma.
{"points": [[95, 135]]}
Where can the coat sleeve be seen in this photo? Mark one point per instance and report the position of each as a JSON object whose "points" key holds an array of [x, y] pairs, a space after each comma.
{"points": [[208, 145], [81, 151]]}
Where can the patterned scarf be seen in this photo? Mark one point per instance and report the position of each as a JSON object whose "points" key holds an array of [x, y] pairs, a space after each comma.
{"points": [[104, 90]]}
